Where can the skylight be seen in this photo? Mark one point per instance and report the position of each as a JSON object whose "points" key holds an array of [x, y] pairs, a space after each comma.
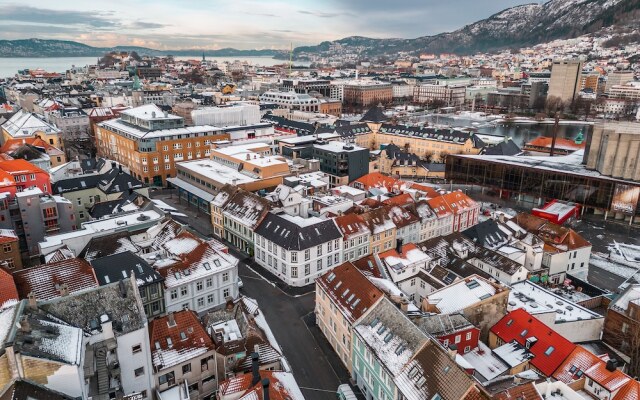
{"points": [[374, 322]]}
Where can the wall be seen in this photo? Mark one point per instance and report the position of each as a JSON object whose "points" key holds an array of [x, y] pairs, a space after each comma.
{"points": [[335, 327], [129, 361], [488, 312]]}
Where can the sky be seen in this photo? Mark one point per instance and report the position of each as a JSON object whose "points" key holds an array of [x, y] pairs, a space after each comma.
{"points": [[241, 24]]}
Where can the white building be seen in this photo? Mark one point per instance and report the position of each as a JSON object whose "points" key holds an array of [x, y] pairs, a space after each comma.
{"points": [[297, 250], [231, 115], [291, 100]]}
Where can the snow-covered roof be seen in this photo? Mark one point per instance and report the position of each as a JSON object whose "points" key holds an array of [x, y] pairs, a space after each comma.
{"points": [[462, 294]]}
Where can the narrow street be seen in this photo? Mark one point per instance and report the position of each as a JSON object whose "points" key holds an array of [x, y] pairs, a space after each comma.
{"points": [[315, 366]]}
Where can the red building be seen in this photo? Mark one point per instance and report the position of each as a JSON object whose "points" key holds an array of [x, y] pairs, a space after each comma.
{"points": [[18, 175], [450, 330], [549, 348], [557, 211]]}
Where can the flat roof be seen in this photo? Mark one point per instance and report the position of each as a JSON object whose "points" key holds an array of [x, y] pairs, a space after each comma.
{"points": [[537, 300], [216, 171], [118, 125]]}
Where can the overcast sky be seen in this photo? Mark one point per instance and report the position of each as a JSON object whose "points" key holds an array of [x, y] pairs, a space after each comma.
{"points": [[243, 24]]}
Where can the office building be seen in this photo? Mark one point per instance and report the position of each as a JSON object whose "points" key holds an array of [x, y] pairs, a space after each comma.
{"points": [[342, 161], [565, 80]]}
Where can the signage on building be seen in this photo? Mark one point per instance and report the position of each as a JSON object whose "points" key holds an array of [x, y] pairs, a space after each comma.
{"points": [[625, 199]]}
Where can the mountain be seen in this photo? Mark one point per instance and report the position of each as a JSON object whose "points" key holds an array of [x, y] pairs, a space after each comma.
{"points": [[64, 48], [514, 27]]}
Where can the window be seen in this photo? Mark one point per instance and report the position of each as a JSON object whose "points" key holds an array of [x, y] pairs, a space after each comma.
{"points": [[186, 368], [139, 371], [225, 277], [209, 282], [201, 302], [136, 349], [294, 272], [468, 336], [549, 350], [32, 177], [199, 286], [467, 349], [294, 256], [458, 338], [225, 293], [307, 269], [7, 247], [307, 254], [319, 250], [183, 291], [319, 265], [210, 299], [169, 379]]}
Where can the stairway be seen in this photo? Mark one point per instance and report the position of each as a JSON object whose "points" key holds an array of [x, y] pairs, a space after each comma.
{"points": [[101, 371]]}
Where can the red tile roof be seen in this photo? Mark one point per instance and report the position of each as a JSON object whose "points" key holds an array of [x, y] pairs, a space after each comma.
{"points": [[427, 190], [8, 291], [576, 364], [611, 380], [13, 144], [458, 201], [188, 337], [45, 280], [525, 391], [350, 224], [7, 236], [349, 290], [519, 325], [377, 180], [401, 217], [281, 387], [399, 200]]}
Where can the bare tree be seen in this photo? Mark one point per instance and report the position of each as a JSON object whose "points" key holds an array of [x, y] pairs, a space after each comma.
{"points": [[553, 104]]}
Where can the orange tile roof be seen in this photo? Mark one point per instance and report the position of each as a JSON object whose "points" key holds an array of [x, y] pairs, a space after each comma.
{"points": [[280, 387], [439, 206], [400, 200], [12, 144], [45, 280], [188, 337], [7, 236], [349, 290], [428, 190], [8, 289], [561, 143], [525, 391], [20, 166], [610, 380], [350, 224], [630, 391], [576, 364], [377, 180]]}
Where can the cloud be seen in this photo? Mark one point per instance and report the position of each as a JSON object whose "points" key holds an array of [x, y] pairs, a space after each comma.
{"points": [[321, 14], [20, 13], [262, 14], [145, 25]]}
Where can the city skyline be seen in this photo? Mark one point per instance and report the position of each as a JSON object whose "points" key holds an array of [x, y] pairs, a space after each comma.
{"points": [[215, 25]]}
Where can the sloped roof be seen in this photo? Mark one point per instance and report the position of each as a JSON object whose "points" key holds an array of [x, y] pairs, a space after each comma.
{"points": [[610, 380], [630, 391], [519, 325], [374, 114], [20, 166], [526, 391], [351, 292], [576, 364], [177, 343], [295, 233], [282, 386], [119, 266], [8, 291], [443, 324], [247, 207], [28, 390], [45, 281]]}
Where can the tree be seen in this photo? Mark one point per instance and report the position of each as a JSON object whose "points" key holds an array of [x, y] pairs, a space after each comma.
{"points": [[553, 104]]}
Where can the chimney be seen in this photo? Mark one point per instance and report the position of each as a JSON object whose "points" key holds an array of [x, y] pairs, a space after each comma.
{"points": [[229, 303], [265, 389], [255, 368], [399, 246], [33, 303], [120, 168], [25, 326], [452, 350], [612, 365], [171, 319], [64, 290]]}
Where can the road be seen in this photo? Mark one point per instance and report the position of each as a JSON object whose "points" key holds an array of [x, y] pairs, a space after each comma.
{"points": [[315, 366]]}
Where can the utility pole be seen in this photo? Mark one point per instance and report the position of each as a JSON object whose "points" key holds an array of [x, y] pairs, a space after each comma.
{"points": [[555, 133]]}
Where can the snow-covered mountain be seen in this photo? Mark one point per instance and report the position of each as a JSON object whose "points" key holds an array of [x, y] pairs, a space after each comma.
{"points": [[514, 27]]}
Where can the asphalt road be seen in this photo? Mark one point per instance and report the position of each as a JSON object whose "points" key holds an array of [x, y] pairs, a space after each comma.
{"points": [[315, 366]]}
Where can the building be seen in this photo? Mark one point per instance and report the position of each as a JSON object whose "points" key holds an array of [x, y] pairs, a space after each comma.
{"points": [[343, 162], [569, 319], [89, 189], [260, 384], [249, 166], [355, 236], [240, 216], [73, 122], [46, 155], [34, 215], [23, 125], [239, 114], [11, 259], [444, 95], [150, 142], [182, 353], [291, 100], [297, 250], [55, 279], [611, 150], [343, 296], [20, 175], [117, 338], [361, 93], [622, 323], [548, 348], [451, 329], [618, 78], [565, 80], [120, 266]]}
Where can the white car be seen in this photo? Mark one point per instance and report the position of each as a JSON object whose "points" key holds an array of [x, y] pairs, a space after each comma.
{"points": [[240, 283]]}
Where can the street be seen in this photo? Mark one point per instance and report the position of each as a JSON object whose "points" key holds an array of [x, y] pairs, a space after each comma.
{"points": [[315, 366]]}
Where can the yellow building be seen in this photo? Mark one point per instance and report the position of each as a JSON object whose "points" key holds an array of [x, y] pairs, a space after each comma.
{"points": [[150, 142], [23, 125]]}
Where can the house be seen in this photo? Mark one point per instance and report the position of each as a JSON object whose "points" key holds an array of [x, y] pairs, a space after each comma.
{"points": [[90, 189], [21, 389], [464, 210], [382, 230], [451, 329], [355, 236], [220, 200], [56, 279], [120, 266], [407, 223], [117, 337], [604, 380], [182, 351], [481, 301], [376, 180], [241, 215], [10, 260], [565, 251], [23, 125], [296, 249], [572, 369], [41, 348], [261, 385], [549, 348], [571, 320], [35, 150], [343, 295], [622, 322], [20, 175]]}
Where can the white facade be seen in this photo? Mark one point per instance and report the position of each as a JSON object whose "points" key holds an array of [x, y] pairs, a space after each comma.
{"points": [[568, 262], [237, 114], [291, 100], [356, 246]]}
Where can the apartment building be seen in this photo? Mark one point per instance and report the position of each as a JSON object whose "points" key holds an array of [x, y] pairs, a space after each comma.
{"points": [[343, 295], [295, 249], [150, 142], [366, 93], [23, 125], [565, 80], [447, 95]]}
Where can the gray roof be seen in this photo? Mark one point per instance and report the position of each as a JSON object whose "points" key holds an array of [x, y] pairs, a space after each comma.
{"points": [[291, 236], [442, 324], [118, 301]]}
